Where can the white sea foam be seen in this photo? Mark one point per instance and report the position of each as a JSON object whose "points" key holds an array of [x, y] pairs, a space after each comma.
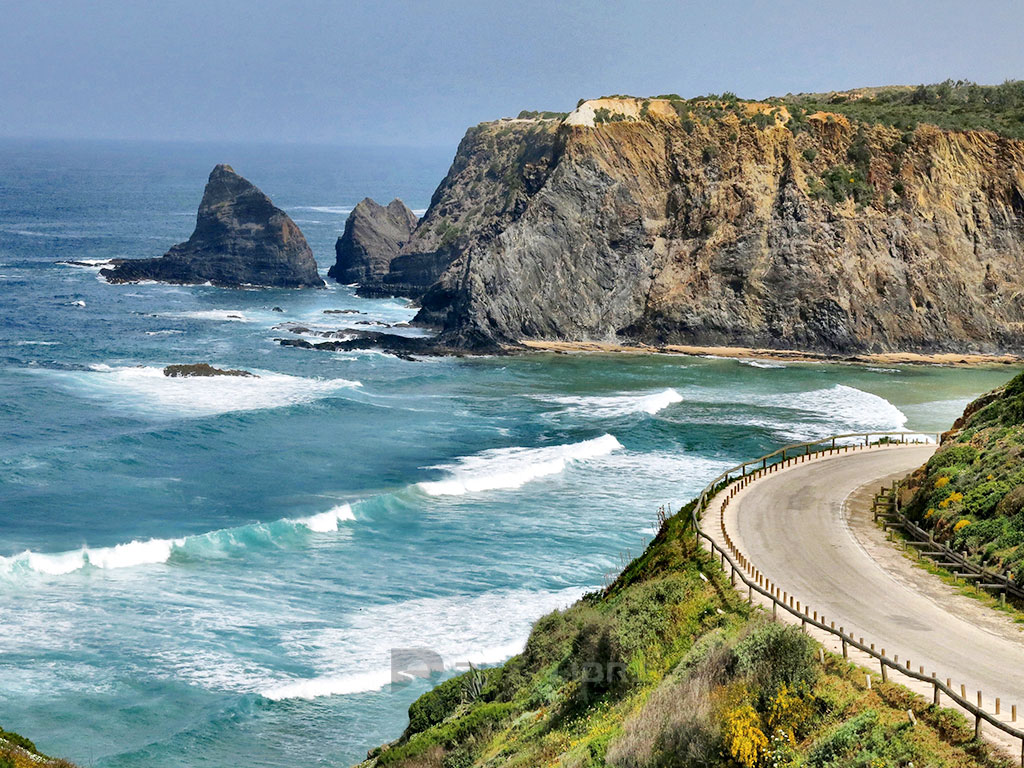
{"points": [[88, 263], [146, 390], [166, 332], [506, 468], [155, 551], [848, 406], [461, 629], [613, 406], [797, 416], [328, 521], [761, 364], [36, 343], [222, 315], [342, 210], [418, 212]]}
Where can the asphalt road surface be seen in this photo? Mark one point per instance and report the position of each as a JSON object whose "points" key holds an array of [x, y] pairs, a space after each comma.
{"points": [[800, 528]]}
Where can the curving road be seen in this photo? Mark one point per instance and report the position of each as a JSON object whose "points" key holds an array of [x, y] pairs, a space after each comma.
{"points": [[808, 529]]}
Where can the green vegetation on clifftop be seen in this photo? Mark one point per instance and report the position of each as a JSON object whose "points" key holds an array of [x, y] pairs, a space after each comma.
{"points": [[669, 667]]}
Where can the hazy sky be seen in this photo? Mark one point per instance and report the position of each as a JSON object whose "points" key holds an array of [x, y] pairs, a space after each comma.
{"points": [[393, 72]]}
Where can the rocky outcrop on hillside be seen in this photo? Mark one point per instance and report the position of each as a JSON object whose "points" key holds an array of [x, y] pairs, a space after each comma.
{"points": [[240, 239], [632, 221], [373, 236]]}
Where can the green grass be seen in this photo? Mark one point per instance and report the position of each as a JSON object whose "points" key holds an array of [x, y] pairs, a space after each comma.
{"points": [[690, 675]]}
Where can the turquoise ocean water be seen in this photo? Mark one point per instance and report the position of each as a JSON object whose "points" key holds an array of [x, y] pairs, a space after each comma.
{"points": [[213, 571]]}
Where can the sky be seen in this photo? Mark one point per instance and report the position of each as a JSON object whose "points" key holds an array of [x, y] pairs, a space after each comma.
{"points": [[402, 72]]}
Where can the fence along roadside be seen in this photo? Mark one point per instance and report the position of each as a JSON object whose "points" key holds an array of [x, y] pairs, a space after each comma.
{"points": [[738, 477]]}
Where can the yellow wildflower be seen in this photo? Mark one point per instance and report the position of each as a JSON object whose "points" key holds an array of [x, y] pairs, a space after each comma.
{"points": [[743, 736], [942, 482], [961, 525]]}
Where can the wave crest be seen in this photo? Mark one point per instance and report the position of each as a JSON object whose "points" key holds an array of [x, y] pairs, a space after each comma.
{"points": [[507, 468], [155, 551]]}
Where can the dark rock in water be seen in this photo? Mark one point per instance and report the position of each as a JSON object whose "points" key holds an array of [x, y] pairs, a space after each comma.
{"points": [[343, 312], [399, 346], [240, 239], [373, 236], [277, 309], [203, 369]]}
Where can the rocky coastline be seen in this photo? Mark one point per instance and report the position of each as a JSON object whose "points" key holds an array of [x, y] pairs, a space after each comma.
{"points": [[754, 228]]}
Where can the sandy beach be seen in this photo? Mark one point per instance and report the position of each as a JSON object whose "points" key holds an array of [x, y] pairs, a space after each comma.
{"points": [[782, 355]]}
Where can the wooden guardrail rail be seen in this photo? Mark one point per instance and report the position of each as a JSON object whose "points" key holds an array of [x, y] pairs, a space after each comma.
{"points": [[738, 477], [887, 506]]}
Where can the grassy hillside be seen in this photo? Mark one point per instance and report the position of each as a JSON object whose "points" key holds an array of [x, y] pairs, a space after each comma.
{"points": [[18, 752], [971, 492], [668, 667]]}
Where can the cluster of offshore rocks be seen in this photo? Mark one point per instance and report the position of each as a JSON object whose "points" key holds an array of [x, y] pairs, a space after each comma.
{"points": [[661, 231], [242, 240]]}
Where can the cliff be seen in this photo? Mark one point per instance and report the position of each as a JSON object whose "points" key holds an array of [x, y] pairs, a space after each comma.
{"points": [[497, 169], [373, 236], [721, 222], [240, 239]]}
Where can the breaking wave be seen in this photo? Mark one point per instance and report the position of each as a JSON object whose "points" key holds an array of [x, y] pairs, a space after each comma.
{"points": [[613, 406], [146, 390], [460, 629], [506, 468], [187, 548]]}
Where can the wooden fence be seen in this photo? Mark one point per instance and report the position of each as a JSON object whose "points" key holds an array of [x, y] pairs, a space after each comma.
{"points": [[738, 566]]}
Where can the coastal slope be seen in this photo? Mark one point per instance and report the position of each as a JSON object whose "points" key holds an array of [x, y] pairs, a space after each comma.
{"points": [[668, 666], [722, 222], [970, 494], [241, 239]]}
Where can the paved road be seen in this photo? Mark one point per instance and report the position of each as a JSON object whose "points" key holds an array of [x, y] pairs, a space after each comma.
{"points": [[793, 525]]}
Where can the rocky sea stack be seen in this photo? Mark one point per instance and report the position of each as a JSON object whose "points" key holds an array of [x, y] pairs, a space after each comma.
{"points": [[240, 239], [373, 236]]}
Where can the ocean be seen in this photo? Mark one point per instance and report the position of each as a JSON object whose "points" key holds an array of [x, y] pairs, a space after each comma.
{"points": [[215, 571]]}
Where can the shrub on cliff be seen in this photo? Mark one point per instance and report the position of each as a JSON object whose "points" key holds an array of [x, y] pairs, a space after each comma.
{"points": [[971, 492]]}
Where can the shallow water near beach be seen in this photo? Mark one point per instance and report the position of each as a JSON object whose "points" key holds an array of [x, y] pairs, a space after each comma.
{"points": [[198, 571]]}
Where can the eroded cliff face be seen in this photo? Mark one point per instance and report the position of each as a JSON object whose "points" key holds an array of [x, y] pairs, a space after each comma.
{"points": [[663, 229], [497, 169]]}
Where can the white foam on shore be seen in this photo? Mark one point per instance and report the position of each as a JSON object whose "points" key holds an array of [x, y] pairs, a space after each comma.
{"points": [[507, 468], [146, 390], [613, 406], [760, 364], [461, 629]]}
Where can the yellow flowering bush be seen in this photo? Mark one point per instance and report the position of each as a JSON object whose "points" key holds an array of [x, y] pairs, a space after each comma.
{"points": [[787, 711], [928, 515], [953, 498], [942, 482], [961, 525], [743, 735]]}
